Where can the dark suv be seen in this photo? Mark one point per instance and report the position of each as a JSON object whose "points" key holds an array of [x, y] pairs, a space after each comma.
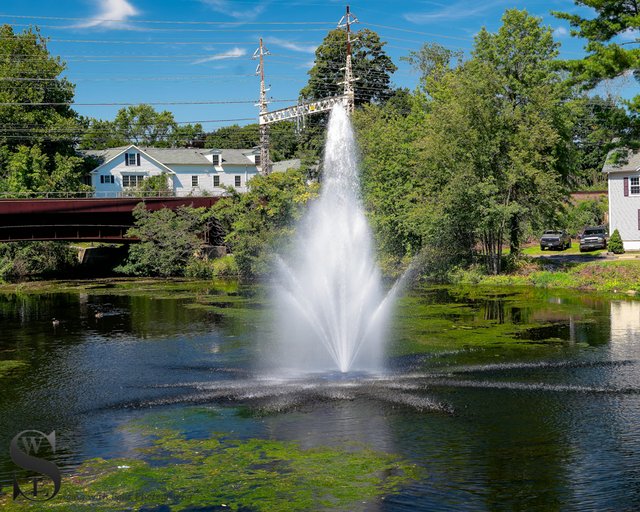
{"points": [[593, 238], [555, 239]]}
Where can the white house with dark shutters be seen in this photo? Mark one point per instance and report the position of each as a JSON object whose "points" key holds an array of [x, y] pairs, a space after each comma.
{"points": [[188, 171], [623, 171]]}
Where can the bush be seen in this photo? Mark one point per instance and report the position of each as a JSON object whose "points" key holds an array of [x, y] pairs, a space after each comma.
{"points": [[199, 269], [168, 240], [22, 259], [615, 243], [225, 266]]}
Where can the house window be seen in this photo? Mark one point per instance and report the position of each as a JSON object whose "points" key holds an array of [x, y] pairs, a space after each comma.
{"points": [[132, 181], [132, 158], [216, 181], [194, 181], [634, 183], [216, 159], [238, 181], [106, 178], [257, 160]]}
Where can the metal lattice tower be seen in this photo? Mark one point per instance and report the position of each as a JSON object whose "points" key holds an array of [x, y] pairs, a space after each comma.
{"points": [[265, 161], [345, 22]]}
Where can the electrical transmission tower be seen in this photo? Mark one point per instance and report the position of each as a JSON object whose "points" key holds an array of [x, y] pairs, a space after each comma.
{"points": [[265, 161], [300, 111], [345, 22]]}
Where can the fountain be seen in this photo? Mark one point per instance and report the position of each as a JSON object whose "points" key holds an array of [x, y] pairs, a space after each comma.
{"points": [[332, 310]]}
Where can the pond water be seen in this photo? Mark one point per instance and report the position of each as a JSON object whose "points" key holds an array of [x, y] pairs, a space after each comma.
{"points": [[502, 399]]}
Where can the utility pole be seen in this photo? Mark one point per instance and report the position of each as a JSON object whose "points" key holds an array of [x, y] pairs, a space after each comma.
{"points": [[349, 92], [265, 161]]}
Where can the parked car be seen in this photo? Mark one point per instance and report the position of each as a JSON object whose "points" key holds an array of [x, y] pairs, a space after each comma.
{"points": [[593, 238], [555, 239]]}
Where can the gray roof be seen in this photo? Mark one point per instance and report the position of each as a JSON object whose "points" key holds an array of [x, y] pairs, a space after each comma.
{"points": [[104, 155], [627, 161], [236, 156], [184, 156], [285, 165], [178, 156]]}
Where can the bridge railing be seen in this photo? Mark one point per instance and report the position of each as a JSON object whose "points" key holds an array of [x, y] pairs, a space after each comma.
{"points": [[99, 194]]}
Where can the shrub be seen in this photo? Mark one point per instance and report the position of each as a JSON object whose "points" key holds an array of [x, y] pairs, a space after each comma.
{"points": [[225, 266], [615, 243], [199, 269]]}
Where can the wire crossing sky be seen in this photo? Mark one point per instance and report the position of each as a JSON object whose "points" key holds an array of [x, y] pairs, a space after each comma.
{"points": [[193, 57]]}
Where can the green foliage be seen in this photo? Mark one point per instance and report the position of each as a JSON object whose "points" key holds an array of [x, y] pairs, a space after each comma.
{"points": [[615, 243], [141, 125], [582, 214], [283, 139], [169, 240], [225, 266], [605, 59], [260, 222], [39, 156], [159, 184], [432, 61], [485, 152], [24, 259]]}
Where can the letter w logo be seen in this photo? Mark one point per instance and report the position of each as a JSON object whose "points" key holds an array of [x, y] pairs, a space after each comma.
{"points": [[32, 444]]}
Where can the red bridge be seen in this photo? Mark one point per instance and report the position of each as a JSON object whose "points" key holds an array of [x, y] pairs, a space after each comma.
{"points": [[87, 219]]}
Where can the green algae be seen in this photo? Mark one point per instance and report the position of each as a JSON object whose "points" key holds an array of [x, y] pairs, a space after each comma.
{"points": [[436, 319], [8, 366], [237, 474]]}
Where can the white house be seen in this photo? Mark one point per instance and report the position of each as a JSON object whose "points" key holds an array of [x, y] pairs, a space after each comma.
{"points": [[623, 170], [188, 171]]}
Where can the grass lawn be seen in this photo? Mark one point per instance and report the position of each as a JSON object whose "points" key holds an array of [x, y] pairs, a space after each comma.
{"points": [[534, 250]]}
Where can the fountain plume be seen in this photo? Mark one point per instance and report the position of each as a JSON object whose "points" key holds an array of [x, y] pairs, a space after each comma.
{"points": [[332, 310]]}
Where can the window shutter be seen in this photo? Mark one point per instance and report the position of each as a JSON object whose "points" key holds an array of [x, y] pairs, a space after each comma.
{"points": [[138, 157], [126, 159], [626, 187], [638, 219]]}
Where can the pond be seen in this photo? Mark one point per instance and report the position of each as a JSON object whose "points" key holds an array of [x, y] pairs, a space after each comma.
{"points": [[493, 399]]}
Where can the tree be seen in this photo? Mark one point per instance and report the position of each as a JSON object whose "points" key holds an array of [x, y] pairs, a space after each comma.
{"points": [[168, 240], [285, 141], [432, 61], [37, 151], [260, 221], [487, 149], [605, 59], [142, 125], [371, 65], [533, 94]]}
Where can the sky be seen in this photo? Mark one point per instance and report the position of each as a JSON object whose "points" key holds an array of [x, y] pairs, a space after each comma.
{"points": [[179, 51]]}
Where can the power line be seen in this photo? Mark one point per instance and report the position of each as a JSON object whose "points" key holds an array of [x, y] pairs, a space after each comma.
{"points": [[190, 30], [168, 22], [60, 104]]}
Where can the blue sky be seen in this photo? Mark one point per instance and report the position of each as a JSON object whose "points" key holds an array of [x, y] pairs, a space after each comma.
{"points": [[200, 50]]}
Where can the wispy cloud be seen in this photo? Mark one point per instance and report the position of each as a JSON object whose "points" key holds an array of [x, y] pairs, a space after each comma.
{"points": [[630, 34], [560, 32], [244, 13], [234, 53], [292, 45], [451, 12], [120, 10]]}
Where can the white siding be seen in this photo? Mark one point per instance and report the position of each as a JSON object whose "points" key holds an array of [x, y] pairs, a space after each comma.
{"points": [[623, 211], [117, 168], [180, 178]]}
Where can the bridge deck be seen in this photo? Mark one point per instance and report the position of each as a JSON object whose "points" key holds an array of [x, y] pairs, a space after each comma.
{"points": [[86, 219]]}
